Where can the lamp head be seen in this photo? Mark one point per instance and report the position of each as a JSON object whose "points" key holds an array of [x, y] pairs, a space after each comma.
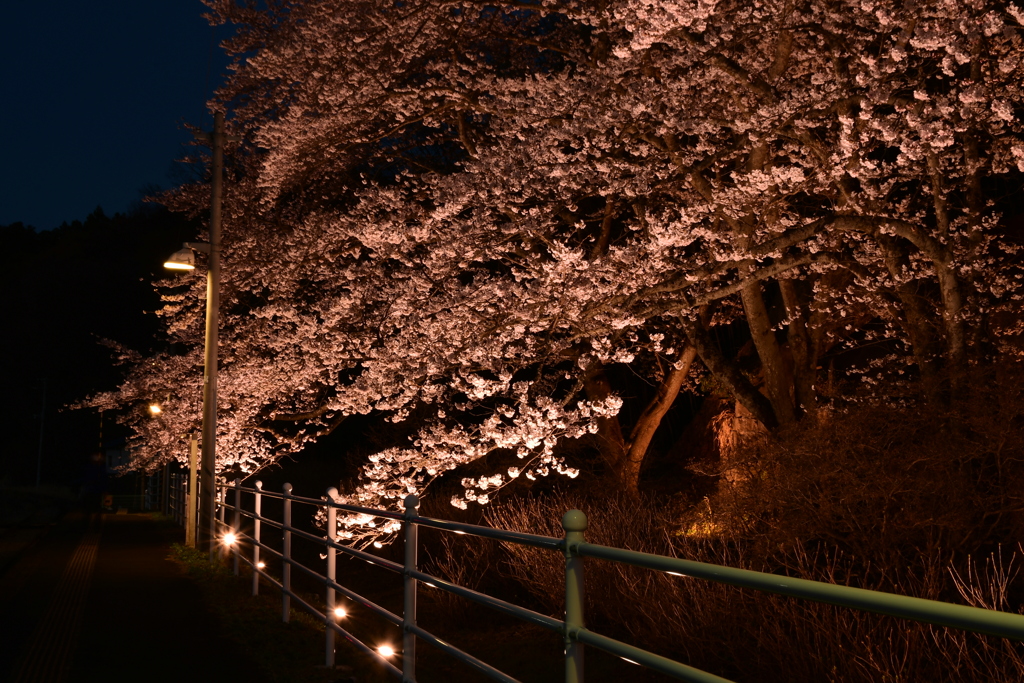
{"points": [[183, 259]]}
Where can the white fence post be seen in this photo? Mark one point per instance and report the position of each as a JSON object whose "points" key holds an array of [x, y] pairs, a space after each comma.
{"points": [[190, 508], [237, 520], [257, 510], [409, 613], [332, 562], [182, 497], [286, 559], [222, 500], [575, 523]]}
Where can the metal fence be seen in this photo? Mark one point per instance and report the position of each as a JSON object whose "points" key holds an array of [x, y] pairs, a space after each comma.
{"points": [[177, 490], [248, 546]]}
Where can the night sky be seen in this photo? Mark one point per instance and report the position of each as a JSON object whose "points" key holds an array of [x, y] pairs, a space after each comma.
{"points": [[94, 97]]}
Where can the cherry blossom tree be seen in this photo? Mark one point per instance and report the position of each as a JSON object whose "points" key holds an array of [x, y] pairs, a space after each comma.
{"points": [[478, 209]]}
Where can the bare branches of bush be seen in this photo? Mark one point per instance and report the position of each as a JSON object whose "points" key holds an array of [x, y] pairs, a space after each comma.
{"points": [[750, 636]]}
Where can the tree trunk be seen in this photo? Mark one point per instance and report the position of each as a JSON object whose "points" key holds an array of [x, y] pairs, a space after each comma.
{"points": [[922, 341], [611, 443], [952, 318], [650, 420], [804, 361], [729, 374], [777, 378]]}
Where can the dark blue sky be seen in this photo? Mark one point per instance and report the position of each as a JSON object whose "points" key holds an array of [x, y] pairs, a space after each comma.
{"points": [[93, 95]]}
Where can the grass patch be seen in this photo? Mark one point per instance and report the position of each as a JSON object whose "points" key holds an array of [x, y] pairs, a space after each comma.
{"points": [[284, 652]]}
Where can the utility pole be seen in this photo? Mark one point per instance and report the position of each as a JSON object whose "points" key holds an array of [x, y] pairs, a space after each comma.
{"points": [[208, 466]]}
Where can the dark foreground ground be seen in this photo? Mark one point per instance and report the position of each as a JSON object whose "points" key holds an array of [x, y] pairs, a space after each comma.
{"points": [[84, 600], [98, 599]]}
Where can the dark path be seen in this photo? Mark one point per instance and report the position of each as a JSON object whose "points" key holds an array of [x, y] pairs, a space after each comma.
{"points": [[105, 604]]}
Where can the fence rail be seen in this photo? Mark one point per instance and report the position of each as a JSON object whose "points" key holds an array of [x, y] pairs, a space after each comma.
{"points": [[572, 546], [176, 493]]}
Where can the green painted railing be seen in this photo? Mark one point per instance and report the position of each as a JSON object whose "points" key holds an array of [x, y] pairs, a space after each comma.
{"points": [[574, 548]]}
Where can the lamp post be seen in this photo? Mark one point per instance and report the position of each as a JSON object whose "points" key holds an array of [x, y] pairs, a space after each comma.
{"points": [[185, 260]]}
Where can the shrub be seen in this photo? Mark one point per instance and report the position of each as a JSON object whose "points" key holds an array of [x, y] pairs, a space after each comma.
{"points": [[917, 500], [750, 636]]}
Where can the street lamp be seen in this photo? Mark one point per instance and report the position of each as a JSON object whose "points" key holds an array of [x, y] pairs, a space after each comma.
{"points": [[184, 259]]}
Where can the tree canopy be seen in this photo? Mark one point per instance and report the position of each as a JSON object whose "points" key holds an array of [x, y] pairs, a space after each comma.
{"points": [[476, 209]]}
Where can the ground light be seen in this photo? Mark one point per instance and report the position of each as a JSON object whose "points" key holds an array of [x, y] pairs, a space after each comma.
{"points": [[340, 613], [154, 409], [386, 651], [229, 539], [261, 565]]}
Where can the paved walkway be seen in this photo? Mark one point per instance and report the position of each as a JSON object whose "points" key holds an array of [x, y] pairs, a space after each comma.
{"points": [[102, 603]]}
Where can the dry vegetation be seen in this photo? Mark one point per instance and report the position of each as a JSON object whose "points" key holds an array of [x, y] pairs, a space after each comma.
{"points": [[924, 501]]}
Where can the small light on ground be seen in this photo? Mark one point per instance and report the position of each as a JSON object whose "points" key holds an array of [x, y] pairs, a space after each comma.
{"points": [[229, 539], [261, 565], [154, 409], [340, 612], [386, 651]]}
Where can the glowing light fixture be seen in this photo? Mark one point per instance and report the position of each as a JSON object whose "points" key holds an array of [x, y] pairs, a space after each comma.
{"points": [[183, 259], [154, 409], [261, 565], [230, 538], [386, 651], [340, 613]]}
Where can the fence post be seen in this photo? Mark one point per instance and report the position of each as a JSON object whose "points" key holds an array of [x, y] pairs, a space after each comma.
{"points": [[222, 500], [257, 510], [237, 520], [574, 522], [191, 497], [332, 564], [286, 557], [216, 499], [182, 519], [165, 490], [409, 613]]}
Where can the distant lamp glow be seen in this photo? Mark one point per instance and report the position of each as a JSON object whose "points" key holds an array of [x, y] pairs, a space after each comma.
{"points": [[154, 409], [386, 651], [229, 539], [261, 565], [340, 613], [183, 259]]}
